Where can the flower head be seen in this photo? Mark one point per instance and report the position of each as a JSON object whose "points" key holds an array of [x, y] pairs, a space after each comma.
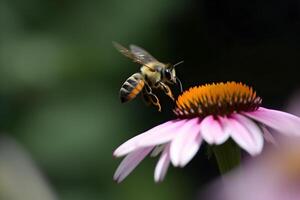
{"points": [[211, 113], [219, 99]]}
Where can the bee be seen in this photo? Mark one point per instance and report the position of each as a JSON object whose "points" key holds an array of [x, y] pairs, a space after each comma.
{"points": [[153, 75]]}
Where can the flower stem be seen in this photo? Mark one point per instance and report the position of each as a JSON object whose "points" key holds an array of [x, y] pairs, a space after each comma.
{"points": [[228, 156]]}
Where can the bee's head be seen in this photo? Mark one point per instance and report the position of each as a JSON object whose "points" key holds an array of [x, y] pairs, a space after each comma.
{"points": [[170, 74]]}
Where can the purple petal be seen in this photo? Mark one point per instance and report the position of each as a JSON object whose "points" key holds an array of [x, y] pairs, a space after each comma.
{"points": [[161, 135], [186, 143], [280, 121], [131, 145], [268, 135], [128, 146], [212, 131], [157, 150], [255, 131], [130, 162], [162, 165], [245, 133]]}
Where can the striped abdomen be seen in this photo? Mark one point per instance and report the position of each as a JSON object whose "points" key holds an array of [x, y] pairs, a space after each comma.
{"points": [[131, 87]]}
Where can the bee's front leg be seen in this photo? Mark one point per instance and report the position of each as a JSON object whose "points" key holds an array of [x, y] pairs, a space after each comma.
{"points": [[167, 90]]}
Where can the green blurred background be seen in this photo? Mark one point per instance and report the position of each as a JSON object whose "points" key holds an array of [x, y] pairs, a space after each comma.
{"points": [[59, 84], [60, 77]]}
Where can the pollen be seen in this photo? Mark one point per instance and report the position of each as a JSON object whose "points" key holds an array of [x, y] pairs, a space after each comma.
{"points": [[217, 99]]}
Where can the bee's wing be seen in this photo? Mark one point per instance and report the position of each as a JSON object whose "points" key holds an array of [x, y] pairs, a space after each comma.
{"points": [[141, 54], [138, 58], [124, 51]]}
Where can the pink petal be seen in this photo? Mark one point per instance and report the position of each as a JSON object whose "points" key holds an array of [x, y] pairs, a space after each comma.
{"points": [[128, 146], [212, 131], [268, 135], [280, 121], [162, 165], [161, 135], [131, 145], [255, 131], [186, 143], [157, 150], [130, 162], [245, 133]]}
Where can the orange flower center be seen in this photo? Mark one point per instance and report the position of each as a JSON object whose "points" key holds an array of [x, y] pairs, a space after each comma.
{"points": [[216, 99]]}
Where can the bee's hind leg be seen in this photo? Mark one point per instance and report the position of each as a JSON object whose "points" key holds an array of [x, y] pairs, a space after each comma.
{"points": [[167, 90], [146, 98], [150, 98]]}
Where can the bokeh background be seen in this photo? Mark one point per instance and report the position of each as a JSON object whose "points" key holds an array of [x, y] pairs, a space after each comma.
{"points": [[60, 77]]}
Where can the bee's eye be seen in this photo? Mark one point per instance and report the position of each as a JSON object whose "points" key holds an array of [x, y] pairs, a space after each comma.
{"points": [[168, 74]]}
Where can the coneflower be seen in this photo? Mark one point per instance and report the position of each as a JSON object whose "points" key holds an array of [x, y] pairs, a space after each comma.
{"points": [[212, 113]]}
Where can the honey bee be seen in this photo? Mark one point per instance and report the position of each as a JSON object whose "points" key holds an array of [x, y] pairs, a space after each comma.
{"points": [[153, 74]]}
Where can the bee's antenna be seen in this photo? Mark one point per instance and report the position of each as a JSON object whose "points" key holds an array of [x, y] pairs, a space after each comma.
{"points": [[180, 84], [178, 63]]}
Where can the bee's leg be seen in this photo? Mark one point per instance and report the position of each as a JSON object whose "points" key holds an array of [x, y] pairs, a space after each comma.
{"points": [[147, 88], [155, 101], [146, 98], [167, 90], [150, 98]]}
